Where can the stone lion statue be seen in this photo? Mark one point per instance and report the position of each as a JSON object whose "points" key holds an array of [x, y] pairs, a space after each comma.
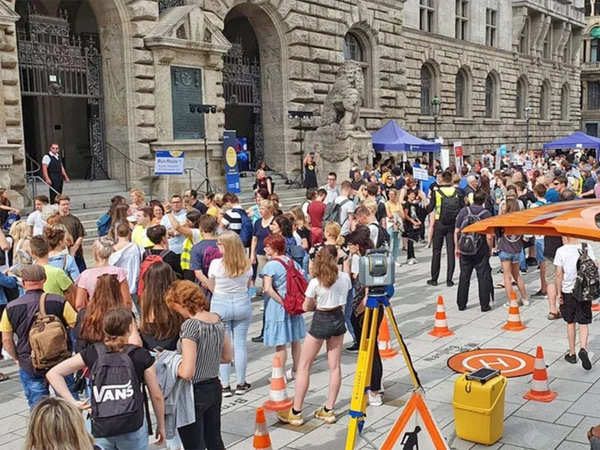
{"points": [[342, 105]]}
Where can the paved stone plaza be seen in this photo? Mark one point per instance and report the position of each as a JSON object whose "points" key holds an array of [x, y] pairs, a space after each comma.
{"points": [[561, 424]]}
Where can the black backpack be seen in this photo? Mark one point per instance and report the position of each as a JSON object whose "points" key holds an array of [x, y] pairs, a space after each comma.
{"points": [[333, 213], [449, 208], [383, 237], [470, 243], [117, 398], [587, 283]]}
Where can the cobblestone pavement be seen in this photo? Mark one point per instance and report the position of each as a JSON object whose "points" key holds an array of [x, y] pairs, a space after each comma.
{"points": [[561, 424]]}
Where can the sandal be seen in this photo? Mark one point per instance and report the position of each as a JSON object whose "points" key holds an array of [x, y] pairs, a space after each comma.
{"points": [[554, 316], [3, 377]]}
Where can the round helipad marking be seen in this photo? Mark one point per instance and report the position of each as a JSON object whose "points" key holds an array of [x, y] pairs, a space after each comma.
{"points": [[510, 362]]}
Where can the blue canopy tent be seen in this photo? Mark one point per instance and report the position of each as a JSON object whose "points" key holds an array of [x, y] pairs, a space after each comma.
{"points": [[576, 140], [392, 138]]}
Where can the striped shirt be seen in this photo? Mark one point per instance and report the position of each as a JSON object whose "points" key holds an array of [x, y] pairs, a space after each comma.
{"points": [[209, 339], [232, 219]]}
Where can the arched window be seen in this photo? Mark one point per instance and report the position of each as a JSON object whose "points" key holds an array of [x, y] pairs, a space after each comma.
{"points": [[491, 97], [356, 48], [565, 102], [545, 101], [522, 99], [460, 92], [426, 89]]}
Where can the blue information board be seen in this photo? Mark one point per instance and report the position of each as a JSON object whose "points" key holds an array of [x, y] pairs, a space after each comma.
{"points": [[232, 174]]}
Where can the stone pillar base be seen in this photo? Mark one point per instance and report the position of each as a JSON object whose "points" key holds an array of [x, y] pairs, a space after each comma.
{"points": [[338, 151]]}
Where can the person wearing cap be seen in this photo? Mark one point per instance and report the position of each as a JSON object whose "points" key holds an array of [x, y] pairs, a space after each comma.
{"points": [[587, 191], [18, 318]]}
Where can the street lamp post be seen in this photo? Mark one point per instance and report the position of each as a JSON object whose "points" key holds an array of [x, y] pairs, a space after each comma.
{"points": [[204, 110], [527, 118], [436, 105]]}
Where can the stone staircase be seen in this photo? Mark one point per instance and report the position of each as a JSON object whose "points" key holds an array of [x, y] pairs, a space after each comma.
{"points": [[90, 199]]}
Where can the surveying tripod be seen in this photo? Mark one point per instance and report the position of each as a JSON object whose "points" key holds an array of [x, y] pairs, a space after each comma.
{"points": [[368, 344]]}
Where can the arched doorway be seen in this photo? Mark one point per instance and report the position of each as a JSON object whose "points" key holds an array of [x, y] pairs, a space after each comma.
{"points": [[253, 85], [61, 84]]}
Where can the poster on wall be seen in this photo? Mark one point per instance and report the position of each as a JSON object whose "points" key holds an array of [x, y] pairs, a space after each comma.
{"points": [[232, 174]]}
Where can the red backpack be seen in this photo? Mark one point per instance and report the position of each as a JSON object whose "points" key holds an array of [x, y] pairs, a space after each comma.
{"points": [[149, 259], [296, 286]]}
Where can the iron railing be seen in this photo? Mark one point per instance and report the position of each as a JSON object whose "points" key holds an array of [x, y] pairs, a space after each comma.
{"points": [[120, 167], [32, 176]]}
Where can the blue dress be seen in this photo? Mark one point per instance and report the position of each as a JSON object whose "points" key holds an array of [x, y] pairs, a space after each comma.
{"points": [[280, 327]]}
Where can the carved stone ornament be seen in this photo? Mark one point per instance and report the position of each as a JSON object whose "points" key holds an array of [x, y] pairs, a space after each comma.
{"points": [[341, 110]]}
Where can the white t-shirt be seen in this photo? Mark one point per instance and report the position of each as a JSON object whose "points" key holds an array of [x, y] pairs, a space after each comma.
{"points": [[345, 210], [374, 229], [46, 158], [36, 221], [355, 265], [224, 284], [332, 297], [566, 257]]}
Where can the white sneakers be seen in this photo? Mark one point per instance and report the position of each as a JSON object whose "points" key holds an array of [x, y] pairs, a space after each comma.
{"points": [[375, 400], [412, 262]]}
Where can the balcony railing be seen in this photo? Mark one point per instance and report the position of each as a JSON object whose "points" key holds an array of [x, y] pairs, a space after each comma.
{"points": [[555, 8]]}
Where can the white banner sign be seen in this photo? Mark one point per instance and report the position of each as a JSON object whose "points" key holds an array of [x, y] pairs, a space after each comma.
{"points": [[169, 163], [420, 174]]}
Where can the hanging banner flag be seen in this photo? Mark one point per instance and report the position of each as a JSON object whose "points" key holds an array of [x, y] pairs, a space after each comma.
{"points": [[169, 163], [458, 149], [232, 174]]}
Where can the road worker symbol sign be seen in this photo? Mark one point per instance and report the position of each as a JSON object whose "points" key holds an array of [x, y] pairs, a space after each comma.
{"points": [[510, 363]]}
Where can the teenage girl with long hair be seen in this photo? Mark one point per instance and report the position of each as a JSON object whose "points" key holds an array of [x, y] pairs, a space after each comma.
{"points": [[326, 294], [58, 239], [55, 424], [118, 325], [88, 328], [159, 325], [228, 279]]}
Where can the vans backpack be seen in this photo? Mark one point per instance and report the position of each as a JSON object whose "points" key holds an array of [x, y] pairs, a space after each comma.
{"points": [[247, 228], [333, 213], [149, 259], [117, 399], [48, 339], [449, 208], [470, 243], [103, 225], [296, 286], [587, 283]]}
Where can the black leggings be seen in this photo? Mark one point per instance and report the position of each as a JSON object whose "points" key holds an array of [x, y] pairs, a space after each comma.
{"points": [[377, 369], [205, 432]]}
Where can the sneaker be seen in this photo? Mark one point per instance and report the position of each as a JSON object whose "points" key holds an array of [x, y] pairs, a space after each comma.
{"points": [[449, 283], [257, 339], [432, 282], [262, 308], [540, 294], [375, 400], [286, 416], [398, 264], [585, 359], [523, 271], [524, 301], [412, 262], [290, 376], [572, 359], [241, 389], [327, 417], [227, 392], [252, 291], [353, 349]]}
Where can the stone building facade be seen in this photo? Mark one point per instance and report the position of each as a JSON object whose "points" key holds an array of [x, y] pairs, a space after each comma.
{"points": [[255, 60], [590, 70]]}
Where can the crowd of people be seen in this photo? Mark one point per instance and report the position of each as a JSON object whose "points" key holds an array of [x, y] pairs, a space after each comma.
{"points": [[164, 312]]}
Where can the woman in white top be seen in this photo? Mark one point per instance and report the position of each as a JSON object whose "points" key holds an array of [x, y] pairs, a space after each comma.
{"points": [[229, 279], [326, 294], [127, 255]]}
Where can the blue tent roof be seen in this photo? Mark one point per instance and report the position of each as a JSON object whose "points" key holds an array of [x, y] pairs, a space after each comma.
{"points": [[572, 141], [392, 138]]}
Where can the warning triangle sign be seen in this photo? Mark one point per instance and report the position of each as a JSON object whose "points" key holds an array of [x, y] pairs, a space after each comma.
{"points": [[415, 429]]}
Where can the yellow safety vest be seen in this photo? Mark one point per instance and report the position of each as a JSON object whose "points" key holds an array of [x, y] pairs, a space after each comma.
{"points": [[448, 192]]}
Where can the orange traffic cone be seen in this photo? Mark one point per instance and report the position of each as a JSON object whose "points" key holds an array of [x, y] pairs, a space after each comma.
{"points": [[595, 306], [262, 440], [514, 317], [440, 327], [386, 351], [278, 398], [540, 390]]}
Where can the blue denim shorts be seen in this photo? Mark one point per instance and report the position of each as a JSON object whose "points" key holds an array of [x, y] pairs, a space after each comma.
{"points": [[539, 251], [515, 258]]}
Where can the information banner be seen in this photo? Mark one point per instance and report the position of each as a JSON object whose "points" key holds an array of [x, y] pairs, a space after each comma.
{"points": [[420, 174], [169, 163], [232, 174]]}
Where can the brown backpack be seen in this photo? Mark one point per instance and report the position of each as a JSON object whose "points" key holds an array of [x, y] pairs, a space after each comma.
{"points": [[48, 339]]}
